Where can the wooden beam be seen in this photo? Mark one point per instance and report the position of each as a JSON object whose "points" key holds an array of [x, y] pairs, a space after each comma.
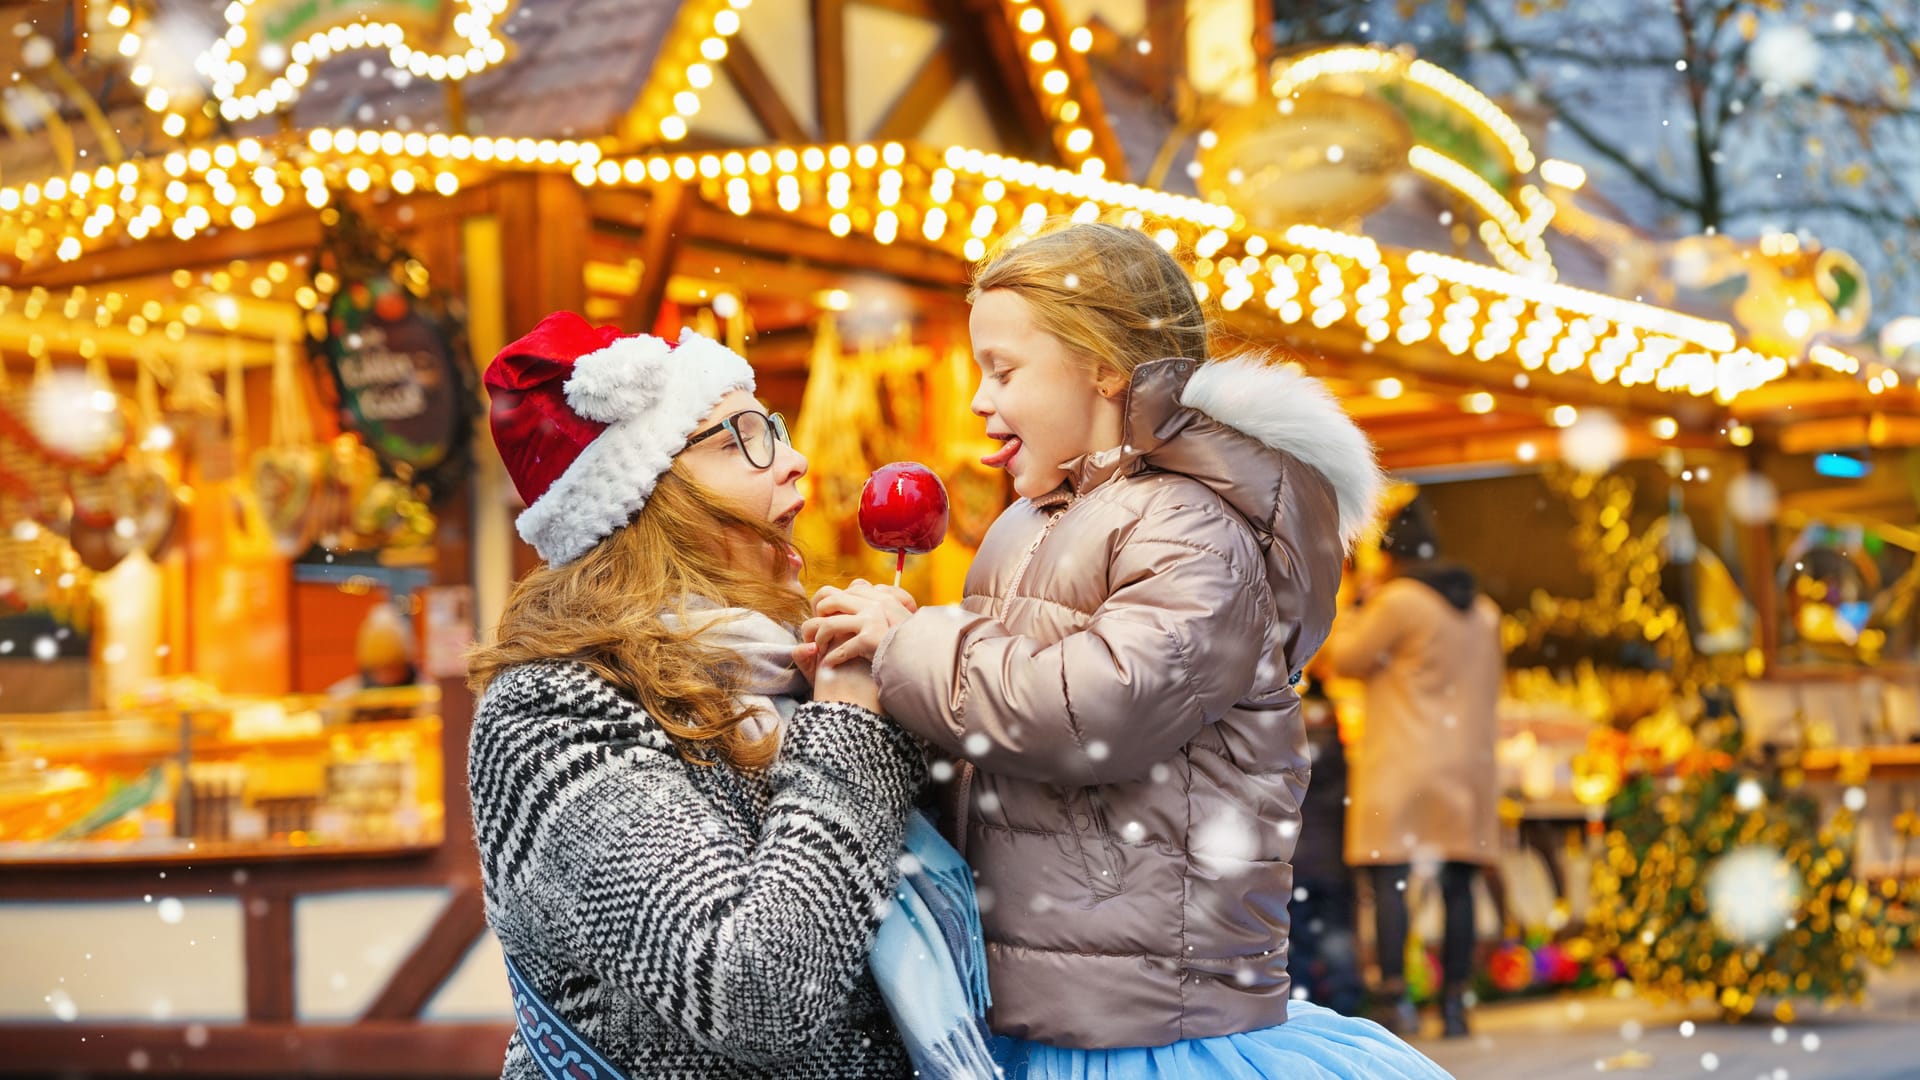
{"points": [[269, 954], [439, 953], [850, 254], [830, 67], [370, 1050], [1166, 37], [761, 96], [299, 232], [659, 247], [1794, 399], [1843, 432], [625, 208], [984, 28], [296, 232], [922, 9], [1455, 427], [1757, 558], [543, 222], [765, 277], [923, 96]]}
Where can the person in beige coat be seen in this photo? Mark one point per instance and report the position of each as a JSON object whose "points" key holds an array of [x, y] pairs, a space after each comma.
{"points": [[1422, 777], [1117, 687]]}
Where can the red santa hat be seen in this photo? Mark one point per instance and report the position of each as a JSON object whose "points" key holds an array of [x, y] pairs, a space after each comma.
{"points": [[587, 418]]}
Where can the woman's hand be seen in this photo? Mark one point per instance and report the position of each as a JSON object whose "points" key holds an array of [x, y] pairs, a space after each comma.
{"points": [[850, 682], [851, 623]]}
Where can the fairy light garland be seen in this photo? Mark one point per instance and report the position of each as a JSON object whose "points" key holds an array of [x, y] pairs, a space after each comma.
{"points": [[248, 83], [152, 328], [1047, 58], [958, 201], [1513, 234], [1368, 61], [686, 67]]}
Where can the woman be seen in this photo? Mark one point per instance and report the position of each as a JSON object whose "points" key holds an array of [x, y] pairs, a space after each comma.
{"points": [[666, 889], [1425, 785]]}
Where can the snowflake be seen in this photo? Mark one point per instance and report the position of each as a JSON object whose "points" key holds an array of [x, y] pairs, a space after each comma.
{"points": [[1594, 443], [1225, 838], [1750, 893], [1786, 57]]}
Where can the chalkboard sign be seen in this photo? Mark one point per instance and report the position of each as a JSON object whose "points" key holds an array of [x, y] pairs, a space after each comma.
{"points": [[393, 366], [396, 349]]}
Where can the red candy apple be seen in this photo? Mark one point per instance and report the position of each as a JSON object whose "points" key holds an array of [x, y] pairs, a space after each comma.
{"points": [[903, 509]]}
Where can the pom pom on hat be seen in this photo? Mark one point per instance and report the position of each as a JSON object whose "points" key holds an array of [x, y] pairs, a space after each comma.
{"points": [[587, 419], [625, 378]]}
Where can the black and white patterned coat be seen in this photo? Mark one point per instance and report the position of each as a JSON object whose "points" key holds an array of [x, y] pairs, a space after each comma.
{"points": [[691, 921]]}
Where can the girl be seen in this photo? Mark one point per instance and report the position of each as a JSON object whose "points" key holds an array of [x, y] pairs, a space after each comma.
{"points": [[674, 900], [1118, 682]]}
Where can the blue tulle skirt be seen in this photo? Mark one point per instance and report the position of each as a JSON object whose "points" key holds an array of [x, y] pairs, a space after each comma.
{"points": [[1315, 1042]]}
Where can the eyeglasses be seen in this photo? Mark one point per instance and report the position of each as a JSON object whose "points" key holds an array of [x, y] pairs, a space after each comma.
{"points": [[755, 431]]}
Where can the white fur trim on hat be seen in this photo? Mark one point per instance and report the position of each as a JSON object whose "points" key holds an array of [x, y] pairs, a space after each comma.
{"points": [[652, 397], [1291, 411]]}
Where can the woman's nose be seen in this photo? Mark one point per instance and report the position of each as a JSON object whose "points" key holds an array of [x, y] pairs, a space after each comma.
{"points": [[789, 463]]}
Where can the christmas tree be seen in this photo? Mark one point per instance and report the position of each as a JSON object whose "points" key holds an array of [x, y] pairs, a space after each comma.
{"points": [[1723, 882], [1719, 876]]}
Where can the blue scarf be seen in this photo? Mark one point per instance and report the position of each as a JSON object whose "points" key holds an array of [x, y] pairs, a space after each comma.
{"points": [[929, 961], [927, 955]]}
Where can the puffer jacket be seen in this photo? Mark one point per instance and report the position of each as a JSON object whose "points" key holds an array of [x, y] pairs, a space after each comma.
{"points": [[1117, 685]]}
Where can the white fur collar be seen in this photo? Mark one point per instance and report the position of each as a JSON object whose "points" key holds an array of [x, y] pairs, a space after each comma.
{"points": [[1290, 411]]}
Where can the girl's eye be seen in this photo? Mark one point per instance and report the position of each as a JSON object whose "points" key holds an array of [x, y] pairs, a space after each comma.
{"points": [[1000, 375]]}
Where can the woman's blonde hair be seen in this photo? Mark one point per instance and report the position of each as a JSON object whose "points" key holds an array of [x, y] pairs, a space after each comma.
{"points": [[1111, 294], [604, 610]]}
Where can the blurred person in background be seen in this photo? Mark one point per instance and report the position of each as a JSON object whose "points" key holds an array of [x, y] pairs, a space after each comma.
{"points": [[1427, 642], [383, 653], [1324, 909]]}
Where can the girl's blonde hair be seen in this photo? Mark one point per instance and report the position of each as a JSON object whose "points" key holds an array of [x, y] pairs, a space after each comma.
{"points": [[604, 610], [1109, 293]]}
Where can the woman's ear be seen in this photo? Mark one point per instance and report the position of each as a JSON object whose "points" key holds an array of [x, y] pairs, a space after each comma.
{"points": [[1110, 383]]}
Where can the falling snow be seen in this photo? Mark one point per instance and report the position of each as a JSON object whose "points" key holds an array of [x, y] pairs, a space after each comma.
{"points": [[1593, 443]]}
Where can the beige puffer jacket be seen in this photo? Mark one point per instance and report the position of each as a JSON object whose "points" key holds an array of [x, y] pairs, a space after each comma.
{"points": [[1118, 678]]}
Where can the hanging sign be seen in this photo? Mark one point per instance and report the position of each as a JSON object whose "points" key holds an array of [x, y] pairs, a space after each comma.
{"points": [[396, 350], [283, 22], [394, 369]]}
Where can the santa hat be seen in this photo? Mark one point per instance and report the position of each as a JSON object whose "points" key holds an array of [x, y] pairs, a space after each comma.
{"points": [[587, 419]]}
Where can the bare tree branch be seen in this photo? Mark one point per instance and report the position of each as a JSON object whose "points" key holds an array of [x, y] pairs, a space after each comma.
{"points": [[1571, 120]]}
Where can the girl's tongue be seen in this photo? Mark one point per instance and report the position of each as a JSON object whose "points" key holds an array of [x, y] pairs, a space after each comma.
{"points": [[1005, 454]]}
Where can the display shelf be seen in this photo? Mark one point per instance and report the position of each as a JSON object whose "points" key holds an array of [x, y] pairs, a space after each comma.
{"points": [[1898, 762], [228, 779]]}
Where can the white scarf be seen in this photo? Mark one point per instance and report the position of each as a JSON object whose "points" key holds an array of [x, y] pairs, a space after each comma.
{"points": [[774, 686]]}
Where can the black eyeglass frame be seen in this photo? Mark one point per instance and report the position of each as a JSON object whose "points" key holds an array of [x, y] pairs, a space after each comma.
{"points": [[776, 433]]}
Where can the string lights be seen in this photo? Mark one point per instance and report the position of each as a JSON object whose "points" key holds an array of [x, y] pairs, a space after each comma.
{"points": [[956, 200], [1513, 231], [252, 74]]}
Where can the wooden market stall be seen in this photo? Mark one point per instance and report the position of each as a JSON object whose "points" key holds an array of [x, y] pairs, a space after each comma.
{"points": [[809, 179]]}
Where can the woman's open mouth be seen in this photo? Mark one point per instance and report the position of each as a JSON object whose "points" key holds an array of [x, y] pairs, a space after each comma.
{"points": [[1000, 458]]}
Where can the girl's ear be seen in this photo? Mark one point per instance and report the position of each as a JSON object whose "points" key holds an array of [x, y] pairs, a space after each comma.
{"points": [[1110, 383]]}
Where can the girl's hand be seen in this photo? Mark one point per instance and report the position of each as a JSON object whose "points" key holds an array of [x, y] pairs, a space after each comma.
{"points": [[851, 623]]}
